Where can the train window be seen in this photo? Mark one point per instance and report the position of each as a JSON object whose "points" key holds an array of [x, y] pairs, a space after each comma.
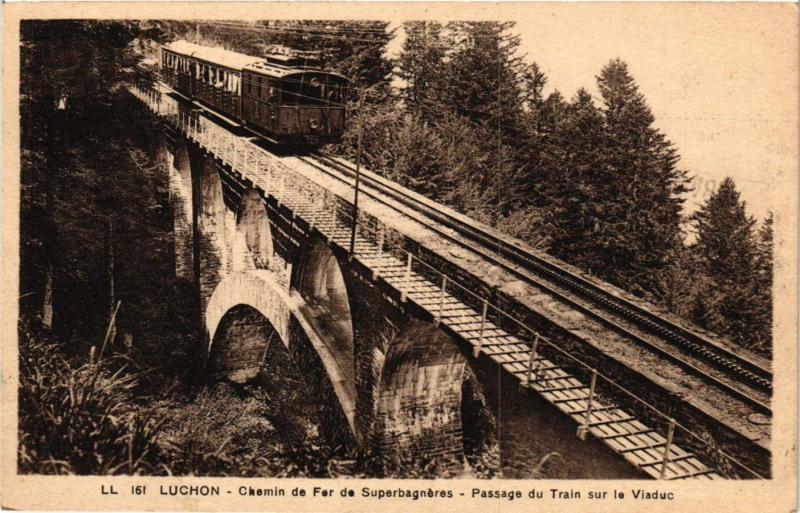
{"points": [[258, 86]]}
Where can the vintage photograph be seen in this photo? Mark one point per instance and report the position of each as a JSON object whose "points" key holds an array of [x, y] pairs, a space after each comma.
{"points": [[492, 249]]}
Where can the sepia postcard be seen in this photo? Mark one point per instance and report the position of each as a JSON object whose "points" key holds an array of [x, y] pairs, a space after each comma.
{"points": [[354, 256]]}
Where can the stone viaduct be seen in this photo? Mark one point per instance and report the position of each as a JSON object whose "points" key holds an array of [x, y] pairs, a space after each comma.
{"points": [[382, 374], [269, 255]]}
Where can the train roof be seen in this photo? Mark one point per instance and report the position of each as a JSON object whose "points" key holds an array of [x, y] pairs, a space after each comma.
{"points": [[212, 54], [239, 61], [278, 71]]}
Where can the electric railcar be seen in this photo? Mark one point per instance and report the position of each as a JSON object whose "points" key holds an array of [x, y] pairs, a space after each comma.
{"points": [[286, 97]]}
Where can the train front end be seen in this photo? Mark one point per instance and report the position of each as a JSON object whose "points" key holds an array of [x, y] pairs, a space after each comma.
{"points": [[313, 109], [296, 107]]}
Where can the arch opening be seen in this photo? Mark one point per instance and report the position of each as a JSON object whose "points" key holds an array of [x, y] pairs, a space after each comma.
{"points": [[253, 245], [258, 293], [247, 351], [319, 281], [240, 344]]}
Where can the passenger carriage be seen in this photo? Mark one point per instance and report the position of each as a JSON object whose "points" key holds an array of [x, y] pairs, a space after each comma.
{"points": [[288, 98]]}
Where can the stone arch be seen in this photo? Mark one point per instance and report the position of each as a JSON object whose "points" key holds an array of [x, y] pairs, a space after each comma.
{"points": [[429, 402], [319, 281], [180, 192], [253, 241], [285, 314]]}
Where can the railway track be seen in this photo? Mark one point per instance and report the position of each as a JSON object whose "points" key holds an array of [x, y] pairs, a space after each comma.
{"points": [[647, 329]]}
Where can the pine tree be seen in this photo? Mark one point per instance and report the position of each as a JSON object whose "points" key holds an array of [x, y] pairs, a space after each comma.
{"points": [[727, 245], [765, 249], [643, 197], [421, 67], [486, 76], [539, 149], [725, 235], [764, 297], [578, 182]]}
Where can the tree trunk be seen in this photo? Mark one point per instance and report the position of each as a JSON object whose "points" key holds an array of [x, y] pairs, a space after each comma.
{"points": [[111, 291], [47, 307], [49, 231]]}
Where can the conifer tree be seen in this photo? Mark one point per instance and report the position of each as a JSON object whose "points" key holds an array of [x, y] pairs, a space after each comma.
{"points": [[725, 234], [764, 297], [579, 185], [421, 67], [734, 303], [486, 76], [643, 199]]}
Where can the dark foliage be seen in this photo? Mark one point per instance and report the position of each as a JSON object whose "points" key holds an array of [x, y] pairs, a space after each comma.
{"points": [[736, 264], [80, 417]]}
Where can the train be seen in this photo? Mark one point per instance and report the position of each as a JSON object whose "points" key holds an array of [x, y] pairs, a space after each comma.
{"points": [[284, 96]]}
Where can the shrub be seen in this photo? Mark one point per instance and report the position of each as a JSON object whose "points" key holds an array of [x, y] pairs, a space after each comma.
{"points": [[79, 418]]}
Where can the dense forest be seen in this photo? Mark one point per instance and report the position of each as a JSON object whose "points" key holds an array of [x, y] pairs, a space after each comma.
{"points": [[458, 116]]}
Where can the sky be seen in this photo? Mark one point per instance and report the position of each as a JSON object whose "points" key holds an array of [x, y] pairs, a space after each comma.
{"points": [[721, 80]]}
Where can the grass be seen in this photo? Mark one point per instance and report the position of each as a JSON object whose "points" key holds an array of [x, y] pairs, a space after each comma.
{"points": [[80, 417]]}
